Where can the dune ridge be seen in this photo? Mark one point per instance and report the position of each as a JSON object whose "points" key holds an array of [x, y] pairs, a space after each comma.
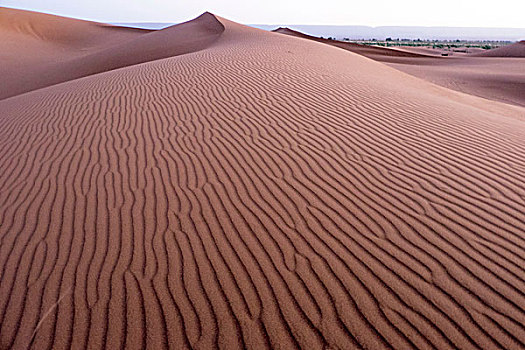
{"points": [[262, 192]]}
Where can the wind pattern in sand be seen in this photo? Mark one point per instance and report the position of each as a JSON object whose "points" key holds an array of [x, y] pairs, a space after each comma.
{"points": [[262, 192]]}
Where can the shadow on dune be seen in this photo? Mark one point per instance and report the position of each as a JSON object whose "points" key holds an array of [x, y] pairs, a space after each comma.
{"points": [[180, 39]]}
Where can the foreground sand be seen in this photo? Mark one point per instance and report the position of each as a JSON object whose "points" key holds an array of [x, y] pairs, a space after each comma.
{"points": [[261, 191]]}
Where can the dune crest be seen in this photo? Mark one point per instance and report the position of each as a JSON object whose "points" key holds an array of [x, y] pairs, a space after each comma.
{"points": [[259, 191]]}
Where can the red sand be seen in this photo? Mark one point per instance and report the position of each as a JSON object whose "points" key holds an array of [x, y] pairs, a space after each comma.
{"points": [[259, 191]]}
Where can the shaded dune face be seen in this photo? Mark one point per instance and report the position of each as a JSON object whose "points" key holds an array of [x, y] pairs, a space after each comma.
{"points": [[34, 45], [63, 33], [137, 46], [260, 191]]}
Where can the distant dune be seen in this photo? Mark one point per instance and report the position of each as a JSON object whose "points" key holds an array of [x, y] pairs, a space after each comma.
{"points": [[213, 185], [377, 53], [496, 79], [513, 50]]}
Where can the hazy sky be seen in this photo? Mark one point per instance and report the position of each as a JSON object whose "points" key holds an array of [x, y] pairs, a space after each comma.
{"points": [[463, 13]]}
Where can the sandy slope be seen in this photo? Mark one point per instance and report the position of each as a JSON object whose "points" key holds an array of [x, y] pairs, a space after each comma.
{"points": [[265, 191], [430, 51], [377, 53], [148, 46], [513, 50], [495, 78], [33, 43], [500, 79]]}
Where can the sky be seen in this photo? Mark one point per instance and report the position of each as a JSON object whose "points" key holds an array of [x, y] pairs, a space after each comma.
{"points": [[454, 13]]}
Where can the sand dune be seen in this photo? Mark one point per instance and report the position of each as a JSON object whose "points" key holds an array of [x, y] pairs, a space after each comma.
{"points": [[429, 51], [149, 46], [377, 53], [259, 191], [54, 37], [499, 79], [513, 50], [496, 79], [32, 43]]}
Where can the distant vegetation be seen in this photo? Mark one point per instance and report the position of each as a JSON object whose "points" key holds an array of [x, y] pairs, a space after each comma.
{"points": [[436, 44]]}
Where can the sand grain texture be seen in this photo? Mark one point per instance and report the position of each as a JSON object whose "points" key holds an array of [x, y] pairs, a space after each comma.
{"points": [[260, 191]]}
